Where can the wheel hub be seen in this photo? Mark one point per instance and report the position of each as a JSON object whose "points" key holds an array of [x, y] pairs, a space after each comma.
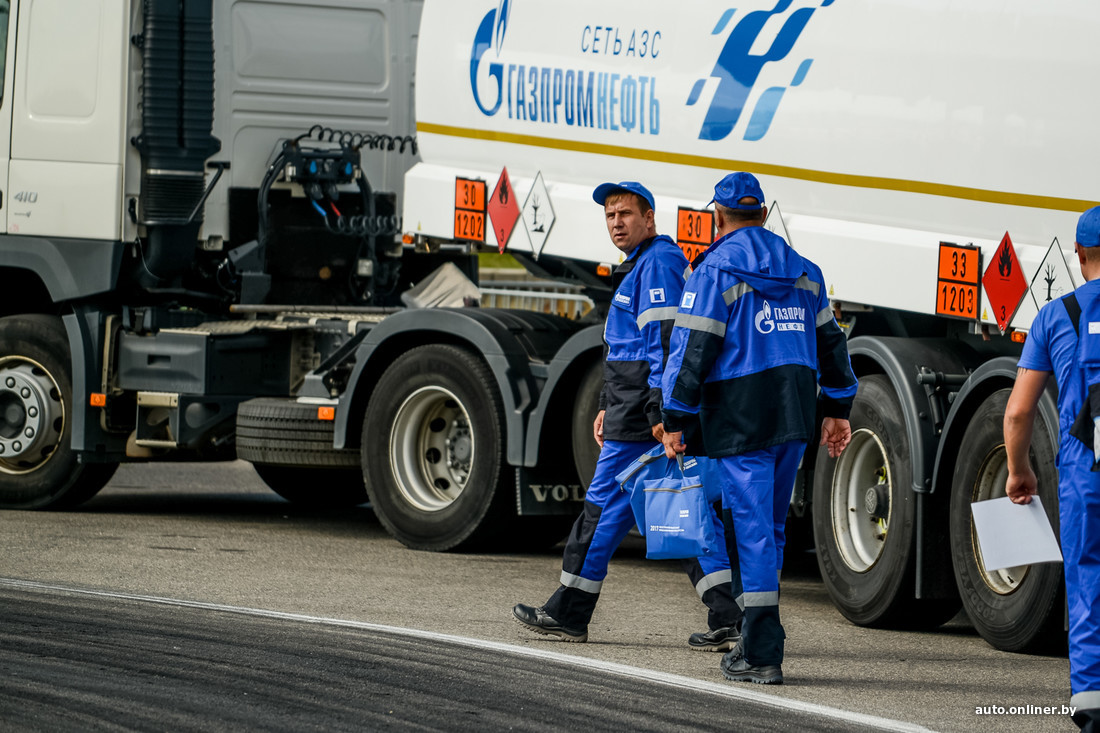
{"points": [[876, 501], [432, 448], [860, 506], [990, 484], [30, 405]]}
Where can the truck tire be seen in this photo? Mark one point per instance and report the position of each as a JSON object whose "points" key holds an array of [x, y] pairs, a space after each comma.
{"points": [[1016, 609], [282, 432], [38, 468], [433, 452], [586, 451], [292, 452], [864, 516]]}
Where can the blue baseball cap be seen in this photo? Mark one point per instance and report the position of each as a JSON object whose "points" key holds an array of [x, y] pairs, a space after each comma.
{"points": [[736, 186], [606, 189], [1088, 228]]}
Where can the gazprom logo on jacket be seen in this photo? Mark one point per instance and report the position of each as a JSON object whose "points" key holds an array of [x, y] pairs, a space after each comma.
{"points": [[770, 319], [737, 70]]}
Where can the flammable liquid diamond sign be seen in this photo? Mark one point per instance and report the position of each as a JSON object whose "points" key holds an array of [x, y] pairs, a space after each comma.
{"points": [[503, 210], [538, 215], [1004, 283]]}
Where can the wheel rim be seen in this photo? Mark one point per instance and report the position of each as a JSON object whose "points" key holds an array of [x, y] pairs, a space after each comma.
{"points": [[32, 415], [432, 448], [861, 491], [990, 484]]}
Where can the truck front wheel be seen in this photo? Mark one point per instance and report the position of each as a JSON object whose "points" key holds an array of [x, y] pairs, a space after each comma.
{"points": [[38, 468], [1014, 609], [864, 516], [433, 452]]}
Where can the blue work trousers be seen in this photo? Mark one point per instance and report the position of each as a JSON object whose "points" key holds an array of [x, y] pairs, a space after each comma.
{"points": [[604, 522], [1079, 518], [756, 495]]}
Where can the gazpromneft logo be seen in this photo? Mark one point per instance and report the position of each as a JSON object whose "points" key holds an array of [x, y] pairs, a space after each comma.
{"points": [[770, 319], [575, 97], [582, 97]]}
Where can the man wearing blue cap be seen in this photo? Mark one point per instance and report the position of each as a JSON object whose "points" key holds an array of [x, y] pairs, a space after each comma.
{"points": [[1052, 347], [754, 338], [647, 287]]}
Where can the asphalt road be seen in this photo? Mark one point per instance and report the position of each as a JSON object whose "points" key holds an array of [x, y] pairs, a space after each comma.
{"points": [[189, 597], [146, 665]]}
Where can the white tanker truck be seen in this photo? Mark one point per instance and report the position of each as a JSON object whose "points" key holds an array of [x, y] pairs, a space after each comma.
{"points": [[212, 211]]}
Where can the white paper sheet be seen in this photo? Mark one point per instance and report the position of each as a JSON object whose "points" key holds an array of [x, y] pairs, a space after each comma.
{"points": [[1010, 534]]}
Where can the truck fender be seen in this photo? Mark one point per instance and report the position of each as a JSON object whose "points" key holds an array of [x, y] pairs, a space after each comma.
{"points": [[69, 268], [579, 347], [85, 327], [491, 333], [898, 359], [991, 376]]}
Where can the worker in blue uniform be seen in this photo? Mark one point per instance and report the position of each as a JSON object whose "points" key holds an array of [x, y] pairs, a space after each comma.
{"points": [[1052, 348], [647, 287], [754, 338]]}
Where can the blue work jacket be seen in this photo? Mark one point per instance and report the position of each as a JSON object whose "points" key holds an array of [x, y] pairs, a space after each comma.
{"points": [[754, 338], [648, 285]]}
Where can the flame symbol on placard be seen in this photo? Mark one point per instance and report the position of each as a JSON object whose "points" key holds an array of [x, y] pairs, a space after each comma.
{"points": [[503, 195], [1004, 261]]}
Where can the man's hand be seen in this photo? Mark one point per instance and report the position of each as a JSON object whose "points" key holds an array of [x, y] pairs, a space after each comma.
{"points": [[674, 443], [597, 428], [835, 435], [1022, 485], [1019, 423], [658, 431]]}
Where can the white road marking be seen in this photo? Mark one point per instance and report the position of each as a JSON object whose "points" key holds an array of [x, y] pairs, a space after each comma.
{"points": [[731, 690]]}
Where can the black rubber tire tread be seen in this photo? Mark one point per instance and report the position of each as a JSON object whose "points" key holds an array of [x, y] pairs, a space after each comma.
{"points": [[1031, 618], [62, 481], [883, 595], [315, 488], [483, 517], [586, 451], [281, 432]]}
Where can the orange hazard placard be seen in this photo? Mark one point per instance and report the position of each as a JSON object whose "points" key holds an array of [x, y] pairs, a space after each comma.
{"points": [[694, 230], [957, 281], [469, 209]]}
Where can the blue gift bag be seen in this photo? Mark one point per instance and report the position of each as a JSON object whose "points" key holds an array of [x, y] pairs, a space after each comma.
{"points": [[677, 515]]}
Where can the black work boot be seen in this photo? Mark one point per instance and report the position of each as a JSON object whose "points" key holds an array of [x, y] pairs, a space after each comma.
{"points": [[717, 640], [734, 667], [539, 621]]}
